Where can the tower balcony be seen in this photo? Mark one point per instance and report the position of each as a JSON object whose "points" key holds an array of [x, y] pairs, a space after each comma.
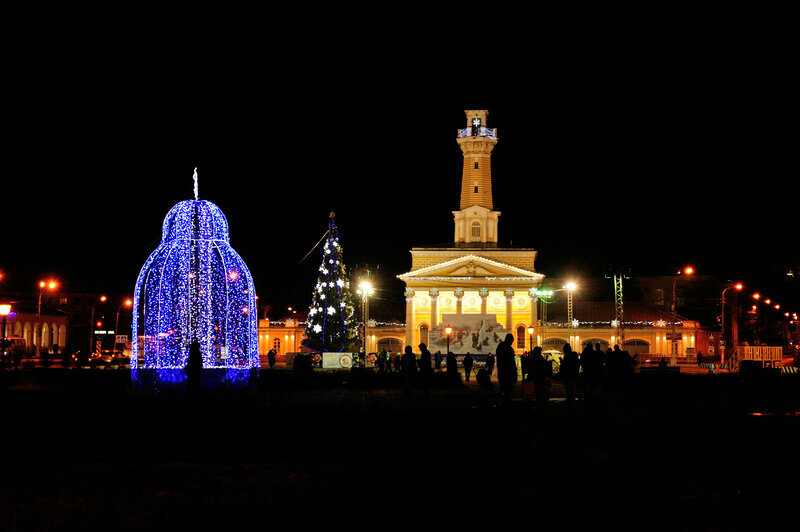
{"points": [[478, 132]]}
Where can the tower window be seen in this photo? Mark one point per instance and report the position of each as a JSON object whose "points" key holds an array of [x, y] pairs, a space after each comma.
{"points": [[476, 231], [476, 165], [475, 187]]}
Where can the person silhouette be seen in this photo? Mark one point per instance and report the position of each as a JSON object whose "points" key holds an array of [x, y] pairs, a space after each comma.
{"points": [[506, 369], [451, 369], [467, 365], [194, 365], [570, 368], [490, 364], [541, 371], [409, 365], [425, 370]]}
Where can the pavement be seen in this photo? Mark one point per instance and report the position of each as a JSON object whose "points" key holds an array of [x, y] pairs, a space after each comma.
{"points": [[91, 450]]}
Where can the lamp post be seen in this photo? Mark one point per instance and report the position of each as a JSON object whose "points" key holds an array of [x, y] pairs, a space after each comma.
{"points": [[91, 323], [686, 271], [4, 311], [365, 290], [43, 285], [448, 330], [126, 303], [738, 287], [530, 339]]}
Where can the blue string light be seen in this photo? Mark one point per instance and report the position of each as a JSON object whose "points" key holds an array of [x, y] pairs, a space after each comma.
{"points": [[195, 287]]}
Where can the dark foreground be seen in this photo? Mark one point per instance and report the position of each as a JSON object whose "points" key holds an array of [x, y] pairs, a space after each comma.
{"points": [[87, 450]]}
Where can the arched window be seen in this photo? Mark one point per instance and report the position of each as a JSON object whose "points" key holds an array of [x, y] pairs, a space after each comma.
{"points": [[62, 335], [276, 344], [45, 336], [636, 347], [423, 334], [520, 337]]}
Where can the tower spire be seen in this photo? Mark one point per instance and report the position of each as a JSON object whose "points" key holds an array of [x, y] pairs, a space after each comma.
{"points": [[195, 183], [476, 221]]}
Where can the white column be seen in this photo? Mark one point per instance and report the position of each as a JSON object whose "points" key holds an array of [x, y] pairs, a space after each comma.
{"points": [[409, 293], [434, 294], [509, 298]]}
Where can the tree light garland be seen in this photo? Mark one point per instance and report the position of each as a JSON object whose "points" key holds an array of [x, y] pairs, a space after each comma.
{"points": [[331, 317], [195, 287]]}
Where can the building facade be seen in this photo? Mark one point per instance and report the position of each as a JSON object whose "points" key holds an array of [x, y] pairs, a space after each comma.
{"points": [[468, 296]]}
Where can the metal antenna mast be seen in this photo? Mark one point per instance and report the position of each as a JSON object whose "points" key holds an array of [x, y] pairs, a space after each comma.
{"points": [[619, 310]]}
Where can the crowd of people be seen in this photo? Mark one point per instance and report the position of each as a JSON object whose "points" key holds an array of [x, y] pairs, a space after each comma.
{"points": [[581, 374]]}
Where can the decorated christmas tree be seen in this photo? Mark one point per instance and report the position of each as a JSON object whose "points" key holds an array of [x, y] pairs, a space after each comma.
{"points": [[331, 325]]}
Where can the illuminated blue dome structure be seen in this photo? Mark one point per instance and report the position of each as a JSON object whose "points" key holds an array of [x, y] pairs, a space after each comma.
{"points": [[195, 287]]}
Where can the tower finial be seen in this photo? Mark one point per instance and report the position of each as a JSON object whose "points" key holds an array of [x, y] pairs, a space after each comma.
{"points": [[195, 183]]}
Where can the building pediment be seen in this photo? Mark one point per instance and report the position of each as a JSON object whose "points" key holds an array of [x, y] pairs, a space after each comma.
{"points": [[471, 268]]}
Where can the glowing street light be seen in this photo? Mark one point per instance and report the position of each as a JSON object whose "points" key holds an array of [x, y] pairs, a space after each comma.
{"points": [[126, 303], [44, 285], [530, 338], [365, 290], [101, 299], [738, 287], [5, 310], [448, 331], [689, 270]]}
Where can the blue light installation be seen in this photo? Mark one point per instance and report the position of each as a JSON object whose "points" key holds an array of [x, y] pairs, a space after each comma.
{"points": [[195, 287]]}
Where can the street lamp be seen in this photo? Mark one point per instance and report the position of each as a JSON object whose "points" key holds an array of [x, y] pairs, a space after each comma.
{"points": [[43, 285], [686, 271], [5, 310], [448, 330], [365, 290], [126, 303], [102, 299], [738, 287], [530, 337]]}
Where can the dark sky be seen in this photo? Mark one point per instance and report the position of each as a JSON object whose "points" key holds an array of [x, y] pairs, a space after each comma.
{"points": [[648, 154]]}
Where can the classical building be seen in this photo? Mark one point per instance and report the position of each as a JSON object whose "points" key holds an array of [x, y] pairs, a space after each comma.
{"points": [[482, 290], [476, 287]]}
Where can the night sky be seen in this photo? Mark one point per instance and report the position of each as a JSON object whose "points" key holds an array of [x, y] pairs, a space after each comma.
{"points": [[648, 156]]}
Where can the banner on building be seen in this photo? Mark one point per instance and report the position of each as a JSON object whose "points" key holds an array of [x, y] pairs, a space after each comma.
{"points": [[473, 333]]}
